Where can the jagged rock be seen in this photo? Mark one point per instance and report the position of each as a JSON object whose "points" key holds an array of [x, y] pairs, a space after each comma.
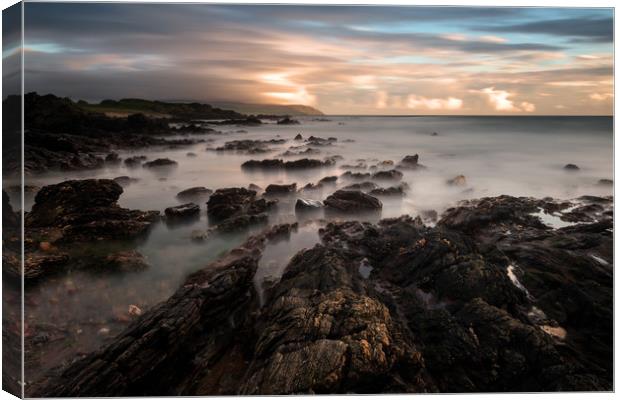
{"points": [[275, 190], [195, 193], [352, 201], [160, 162], [85, 210], [307, 205], [184, 211]]}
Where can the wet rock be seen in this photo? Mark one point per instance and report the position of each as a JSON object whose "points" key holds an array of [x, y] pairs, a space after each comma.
{"points": [[307, 163], [458, 180], [197, 193], [363, 186], [392, 191], [303, 205], [134, 161], [126, 261], [260, 164], [355, 175], [85, 210], [391, 175], [410, 162], [125, 180], [288, 121], [160, 162], [275, 189], [237, 208], [184, 211], [328, 180], [299, 137], [250, 146], [352, 201]]}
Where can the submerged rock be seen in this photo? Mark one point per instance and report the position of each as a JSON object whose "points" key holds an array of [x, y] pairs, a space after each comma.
{"points": [[391, 175], [410, 162], [125, 180], [352, 201], [390, 191], [126, 261], [134, 161], [458, 180], [363, 186], [571, 167], [194, 193], [355, 175], [160, 162]]}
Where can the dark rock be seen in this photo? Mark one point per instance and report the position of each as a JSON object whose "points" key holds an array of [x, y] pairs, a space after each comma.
{"points": [[256, 164], [363, 186], [237, 207], [191, 154], [288, 121], [606, 182], [355, 175], [571, 167], [274, 189], [303, 205], [195, 193], [250, 146], [160, 162], [125, 180], [307, 163], [434, 134], [391, 175], [126, 261], [184, 211], [328, 179], [299, 137], [134, 161], [241, 222], [352, 201], [112, 158], [410, 162], [390, 191]]}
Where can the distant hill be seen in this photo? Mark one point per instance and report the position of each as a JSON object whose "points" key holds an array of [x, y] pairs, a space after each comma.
{"points": [[154, 108], [268, 109]]}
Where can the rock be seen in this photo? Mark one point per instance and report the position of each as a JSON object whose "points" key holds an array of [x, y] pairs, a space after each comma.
{"points": [[391, 191], [125, 261], [237, 208], [312, 187], [160, 162], [274, 189], [352, 201], [303, 205], [328, 180], [410, 162], [307, 163], [134, 161], [363, 186], [434, 134], [125, 180], [197, 193], [85, 210], [288, 121], [184, 211], [355, 175], [458, 180], [391, 175], [571, 167], [191, 154], [299, 137], [112, 158], [606, 182], [241, 222], [250, 146], [255, 164]]}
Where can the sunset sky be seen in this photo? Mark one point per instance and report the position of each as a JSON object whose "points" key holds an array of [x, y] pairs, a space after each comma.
{"points": [[341, 60]]}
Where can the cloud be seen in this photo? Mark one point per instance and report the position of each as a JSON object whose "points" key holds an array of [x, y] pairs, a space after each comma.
{"points": [[499, 99], [591, 29], [420, 102]]}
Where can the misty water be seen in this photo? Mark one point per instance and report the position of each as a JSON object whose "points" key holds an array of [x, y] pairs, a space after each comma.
{"points": [[498, 155]]}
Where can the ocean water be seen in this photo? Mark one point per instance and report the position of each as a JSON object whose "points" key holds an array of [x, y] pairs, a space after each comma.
{"points": [[521, 156]]}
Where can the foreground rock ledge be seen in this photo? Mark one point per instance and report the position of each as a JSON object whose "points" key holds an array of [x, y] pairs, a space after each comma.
{"points": [[490, 299]]}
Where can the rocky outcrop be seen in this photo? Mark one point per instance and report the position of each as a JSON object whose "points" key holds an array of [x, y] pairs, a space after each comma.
{"points": [[490, 299], [237, 208], [350, 201]]}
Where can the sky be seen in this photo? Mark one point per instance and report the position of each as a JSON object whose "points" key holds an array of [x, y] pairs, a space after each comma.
{"points": [[339, 59]]}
